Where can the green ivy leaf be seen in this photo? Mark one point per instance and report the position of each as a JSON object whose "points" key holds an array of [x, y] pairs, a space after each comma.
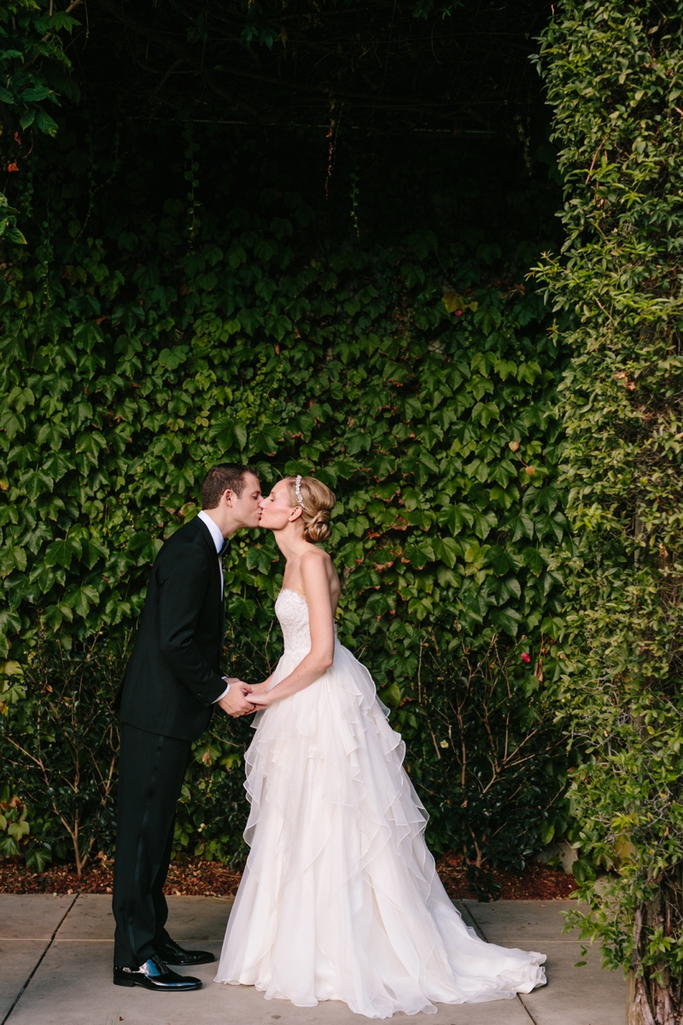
{"points": [[487, 319], [81, 599], [507, 619], [62, 552], [45, 123]]}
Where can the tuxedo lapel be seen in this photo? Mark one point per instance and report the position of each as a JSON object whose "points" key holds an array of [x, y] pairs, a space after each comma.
{"points": [[207, 540], [205, 535]]}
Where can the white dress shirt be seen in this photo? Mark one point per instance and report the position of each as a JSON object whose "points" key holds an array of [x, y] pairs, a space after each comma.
{"points": [[217, 538]]}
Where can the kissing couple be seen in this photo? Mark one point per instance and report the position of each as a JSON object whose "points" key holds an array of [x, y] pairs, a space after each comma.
{"points": [[339, 899]]}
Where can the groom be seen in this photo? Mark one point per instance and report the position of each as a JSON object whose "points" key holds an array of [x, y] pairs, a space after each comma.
{"points": [[171, 684]]}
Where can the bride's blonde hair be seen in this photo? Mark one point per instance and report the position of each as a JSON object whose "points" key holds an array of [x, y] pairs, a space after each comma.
{"points": [[316, 501]]}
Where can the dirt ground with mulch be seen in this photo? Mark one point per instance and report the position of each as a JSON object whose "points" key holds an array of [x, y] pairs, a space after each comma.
{"points": [[535, 882], [211, 879]]}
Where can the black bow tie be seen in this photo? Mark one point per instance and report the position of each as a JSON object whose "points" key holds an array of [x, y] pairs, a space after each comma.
{"points": [[224, 547]]}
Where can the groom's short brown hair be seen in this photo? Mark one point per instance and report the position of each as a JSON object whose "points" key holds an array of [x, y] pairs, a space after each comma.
{"points": [[228, 476]]}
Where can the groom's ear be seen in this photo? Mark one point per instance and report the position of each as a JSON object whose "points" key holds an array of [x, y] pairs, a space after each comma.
{"points": [[226, 497]]}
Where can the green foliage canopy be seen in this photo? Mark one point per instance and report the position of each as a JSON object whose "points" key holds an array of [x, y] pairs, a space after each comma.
{"points": [[614, 74]]}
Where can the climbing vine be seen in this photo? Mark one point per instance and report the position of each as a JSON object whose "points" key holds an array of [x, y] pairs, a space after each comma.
{"points": [[614, 74]]}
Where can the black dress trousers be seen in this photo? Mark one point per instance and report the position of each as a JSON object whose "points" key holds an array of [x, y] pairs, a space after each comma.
{"points": [[151, 771]]}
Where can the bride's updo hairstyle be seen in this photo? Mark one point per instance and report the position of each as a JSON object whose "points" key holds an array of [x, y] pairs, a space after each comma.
{"points": [[317, 502]]}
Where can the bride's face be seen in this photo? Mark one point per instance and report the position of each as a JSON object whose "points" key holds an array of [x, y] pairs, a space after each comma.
{"points": [[277, 510]]}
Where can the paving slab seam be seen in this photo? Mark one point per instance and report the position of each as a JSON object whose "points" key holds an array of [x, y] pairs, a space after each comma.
{"points": [[530, 1015], [485, 937], [474, 919], [38, 963]]}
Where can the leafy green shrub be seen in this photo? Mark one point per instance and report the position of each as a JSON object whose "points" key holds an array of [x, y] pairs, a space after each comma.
{"points": [[614, 73], [485, 740], [59, 743]]}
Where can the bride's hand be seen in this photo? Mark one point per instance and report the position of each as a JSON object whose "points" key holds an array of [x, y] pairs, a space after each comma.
{"points": [[261, 697], [258, 688]]}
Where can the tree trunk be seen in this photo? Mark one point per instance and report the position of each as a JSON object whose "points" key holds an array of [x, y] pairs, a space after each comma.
{"points": [[652, 1002], [654, 995]]}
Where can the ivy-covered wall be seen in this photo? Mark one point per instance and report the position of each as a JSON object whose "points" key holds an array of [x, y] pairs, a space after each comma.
{"points": [[177, 302], [423, 397]]}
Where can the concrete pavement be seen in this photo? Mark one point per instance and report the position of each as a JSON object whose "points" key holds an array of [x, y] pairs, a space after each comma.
{"points": [[55, 969]]}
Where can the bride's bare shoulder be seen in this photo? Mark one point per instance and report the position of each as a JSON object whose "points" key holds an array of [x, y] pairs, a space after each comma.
{"points": [[315, 552], [317, 561]]}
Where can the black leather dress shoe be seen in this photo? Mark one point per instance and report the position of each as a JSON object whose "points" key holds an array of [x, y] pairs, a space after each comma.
{"points": [[154, 974], [171, 953]]}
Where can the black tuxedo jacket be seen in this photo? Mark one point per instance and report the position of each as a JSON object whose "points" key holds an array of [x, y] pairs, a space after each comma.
{"points": [[173, 676]]}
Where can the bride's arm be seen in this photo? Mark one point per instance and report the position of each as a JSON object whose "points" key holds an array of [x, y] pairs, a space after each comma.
{"points": [[257, 688], [321, 621]]}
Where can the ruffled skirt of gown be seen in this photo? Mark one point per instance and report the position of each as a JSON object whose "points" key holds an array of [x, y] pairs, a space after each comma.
{"points": [[340, 899]]}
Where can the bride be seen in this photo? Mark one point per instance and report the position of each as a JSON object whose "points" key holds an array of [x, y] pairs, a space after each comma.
{"points": [[340, 899]]}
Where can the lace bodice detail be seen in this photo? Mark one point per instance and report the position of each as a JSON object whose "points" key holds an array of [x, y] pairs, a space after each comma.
{"points": [[291, 610]]}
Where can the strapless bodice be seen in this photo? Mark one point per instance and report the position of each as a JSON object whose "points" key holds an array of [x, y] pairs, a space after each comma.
{"points": [[291, 610]]}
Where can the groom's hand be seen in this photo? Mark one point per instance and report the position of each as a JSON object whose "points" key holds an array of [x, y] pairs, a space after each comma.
{"points": [[236, 701]]}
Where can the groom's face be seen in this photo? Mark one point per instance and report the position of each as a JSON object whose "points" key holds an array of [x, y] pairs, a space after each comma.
{"points": [[247, 507]]}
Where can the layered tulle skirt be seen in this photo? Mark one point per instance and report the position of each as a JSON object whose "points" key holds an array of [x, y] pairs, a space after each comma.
{"points": [[340, 899]]}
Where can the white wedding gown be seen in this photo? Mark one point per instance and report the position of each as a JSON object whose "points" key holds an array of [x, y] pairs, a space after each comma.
{"points": [[340, 899]]}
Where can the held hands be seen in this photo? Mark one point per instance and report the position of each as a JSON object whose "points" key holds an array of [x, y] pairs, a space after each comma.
{"points": [[260, 697], [236, 702]]}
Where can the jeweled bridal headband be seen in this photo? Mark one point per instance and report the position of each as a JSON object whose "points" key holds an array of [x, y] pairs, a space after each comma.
{"points": [[297, 488]]}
